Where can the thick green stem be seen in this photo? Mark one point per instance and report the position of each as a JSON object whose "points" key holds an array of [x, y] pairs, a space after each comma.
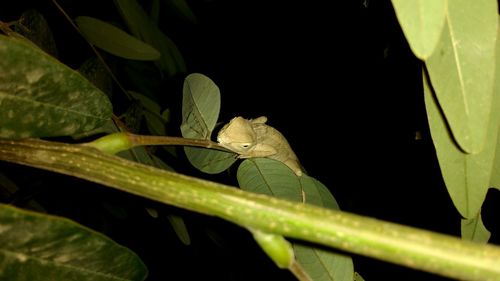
{"points": [[425, 250]]}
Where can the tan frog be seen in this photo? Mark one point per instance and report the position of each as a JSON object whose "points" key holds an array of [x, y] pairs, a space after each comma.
{"points": [[253, 138]]}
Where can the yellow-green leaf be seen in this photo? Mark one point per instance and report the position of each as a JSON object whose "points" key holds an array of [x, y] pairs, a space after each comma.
{"points": [[200, 106], [114, 40], [474, 230], [461, 70], [466, 176], [422, 22]]}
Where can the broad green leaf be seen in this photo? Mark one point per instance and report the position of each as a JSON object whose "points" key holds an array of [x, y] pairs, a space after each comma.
{"points": [[137, 20], [40, 97], [200, 106], [474, 230], [466, 176], [181, 8], [114, 40], [495, 173], [41, 247], [271, 177], [200, 111], [422, 22], [33, 26], [208, 160], [461, 70]]}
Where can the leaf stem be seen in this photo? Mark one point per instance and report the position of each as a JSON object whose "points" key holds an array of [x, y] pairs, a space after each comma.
{"points": [[117, 142]]}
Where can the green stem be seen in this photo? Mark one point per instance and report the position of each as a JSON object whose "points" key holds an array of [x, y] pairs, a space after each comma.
{"points": [[420, 249]]}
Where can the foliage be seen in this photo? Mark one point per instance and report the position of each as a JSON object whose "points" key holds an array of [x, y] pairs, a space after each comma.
{"points": [[41, 97], [461, 93]]}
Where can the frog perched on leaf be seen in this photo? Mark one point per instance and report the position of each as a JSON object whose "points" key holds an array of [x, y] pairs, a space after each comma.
{"points": [[253, 138]]}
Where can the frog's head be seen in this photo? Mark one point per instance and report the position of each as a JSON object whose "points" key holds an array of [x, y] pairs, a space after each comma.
{"points": [[237, 135]]}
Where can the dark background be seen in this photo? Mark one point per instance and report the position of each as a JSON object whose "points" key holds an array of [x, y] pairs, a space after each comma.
{"points": [[336, 78]]}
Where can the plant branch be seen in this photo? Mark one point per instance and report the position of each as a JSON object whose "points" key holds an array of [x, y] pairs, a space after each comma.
{"points": [[117, 142], [415, 248]]}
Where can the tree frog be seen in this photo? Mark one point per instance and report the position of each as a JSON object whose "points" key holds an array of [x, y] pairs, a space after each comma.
{"points": [[253, 138]]}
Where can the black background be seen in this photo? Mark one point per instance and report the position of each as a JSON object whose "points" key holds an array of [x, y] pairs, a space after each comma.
{"points": [[336, 77]]}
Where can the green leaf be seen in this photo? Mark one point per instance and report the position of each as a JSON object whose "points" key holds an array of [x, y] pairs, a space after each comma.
{"points": [[474, 230], [114, 40], [40, 97], [139, 23], [422, 22], [40, 247], [200, 111], [208, 160], [462, 70], [467, 176], [271, 177], [200, 106]]}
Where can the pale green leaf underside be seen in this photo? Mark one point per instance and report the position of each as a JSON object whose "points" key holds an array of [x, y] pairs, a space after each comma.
{"points": [[114, 40], [200, 111], [462, 70], [474, 230], [422, 22], [200, 106], [466, 176], [40, 97], [40, 247], [271, 177]]}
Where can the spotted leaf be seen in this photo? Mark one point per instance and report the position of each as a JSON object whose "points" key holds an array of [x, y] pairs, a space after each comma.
{"points": [[41, 97]]}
